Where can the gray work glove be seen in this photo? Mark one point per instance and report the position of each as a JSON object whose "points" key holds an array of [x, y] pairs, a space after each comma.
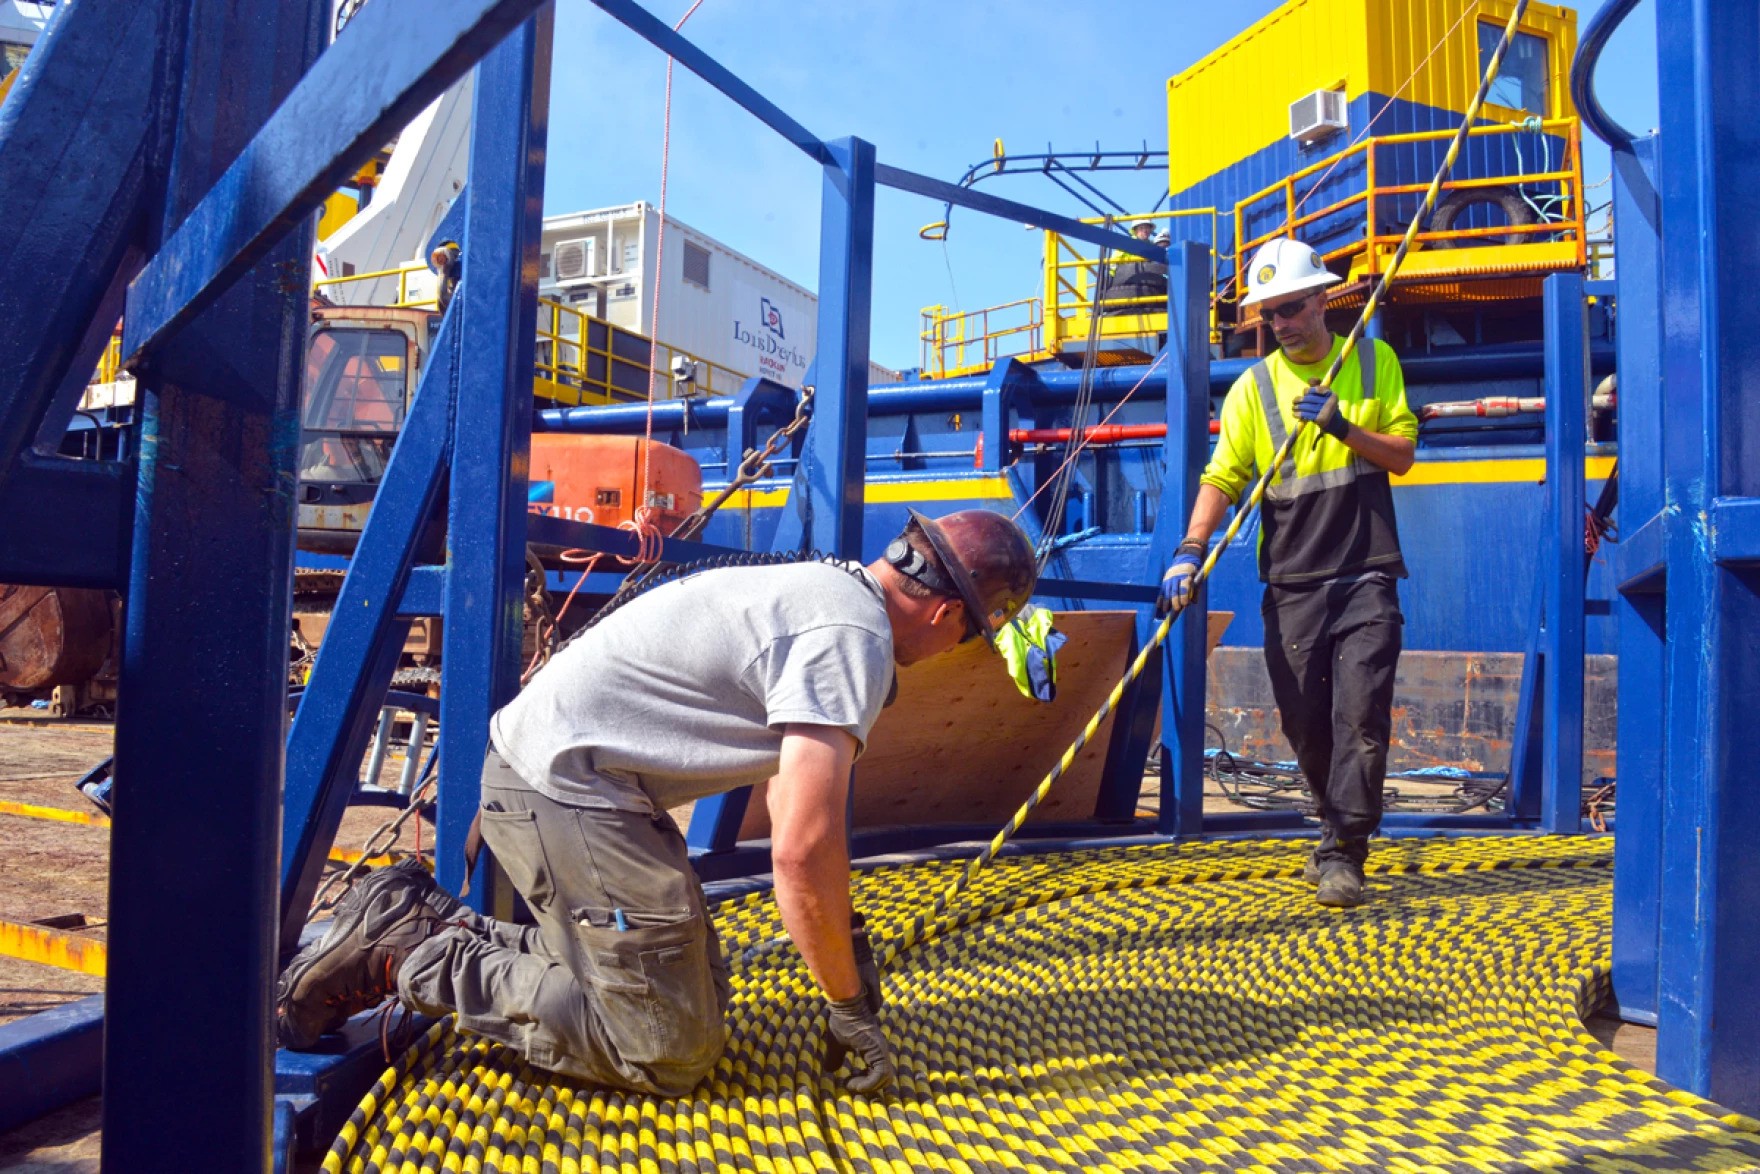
{"points": [[854, 1026]]}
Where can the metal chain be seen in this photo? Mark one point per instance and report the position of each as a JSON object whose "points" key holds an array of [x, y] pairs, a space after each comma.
{"points": [[378, 844], [754, 465]]}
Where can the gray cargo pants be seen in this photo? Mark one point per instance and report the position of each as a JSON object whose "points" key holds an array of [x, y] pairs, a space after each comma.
{"points": [[622, 983]]}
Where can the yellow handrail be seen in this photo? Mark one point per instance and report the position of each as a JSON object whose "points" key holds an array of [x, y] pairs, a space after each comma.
{"points": [[950, 348], [1568, 178], [582, 359]]}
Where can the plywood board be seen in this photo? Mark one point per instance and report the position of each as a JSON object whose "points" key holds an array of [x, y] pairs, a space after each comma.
{"points": [[962, 745]]}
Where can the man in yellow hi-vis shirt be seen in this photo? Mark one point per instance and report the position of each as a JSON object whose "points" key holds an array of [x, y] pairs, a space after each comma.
{"points": [[1328, 547]]}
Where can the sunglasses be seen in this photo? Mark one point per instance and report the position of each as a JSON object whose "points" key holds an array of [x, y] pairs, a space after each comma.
{"points": [[1287, 309]]}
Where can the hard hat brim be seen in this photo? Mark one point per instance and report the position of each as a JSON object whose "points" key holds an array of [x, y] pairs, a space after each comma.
{"points": [[1316, 281]]}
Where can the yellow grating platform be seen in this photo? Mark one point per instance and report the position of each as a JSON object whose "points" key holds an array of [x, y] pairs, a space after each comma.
{"points": [[1159, 1008]]}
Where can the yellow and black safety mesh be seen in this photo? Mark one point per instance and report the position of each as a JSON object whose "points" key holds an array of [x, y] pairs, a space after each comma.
{"points": [[1182, 1007]]}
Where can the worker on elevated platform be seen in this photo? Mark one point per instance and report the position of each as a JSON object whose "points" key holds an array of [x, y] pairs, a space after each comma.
{"points": [[718, 680], [1137, 278], [1328, 547]]}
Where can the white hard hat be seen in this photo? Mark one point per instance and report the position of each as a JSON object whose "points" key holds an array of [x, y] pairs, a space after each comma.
{"points": [[1285, 266]]}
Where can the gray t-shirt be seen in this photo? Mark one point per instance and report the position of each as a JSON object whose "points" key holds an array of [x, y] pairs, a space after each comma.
{"points": [[683, 691]]}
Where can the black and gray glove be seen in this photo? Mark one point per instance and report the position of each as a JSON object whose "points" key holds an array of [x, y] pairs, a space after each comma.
{"points": [[855, 1022], [854, 1026]]}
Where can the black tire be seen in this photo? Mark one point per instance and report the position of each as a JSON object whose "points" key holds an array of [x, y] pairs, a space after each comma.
{"points": [[1516, 213]]}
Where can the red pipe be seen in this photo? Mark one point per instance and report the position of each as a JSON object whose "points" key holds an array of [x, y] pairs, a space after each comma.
{"points": [[1098, 434]]}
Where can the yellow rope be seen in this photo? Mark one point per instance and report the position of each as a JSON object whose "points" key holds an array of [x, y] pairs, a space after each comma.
{"points": [[1154, 1008]]}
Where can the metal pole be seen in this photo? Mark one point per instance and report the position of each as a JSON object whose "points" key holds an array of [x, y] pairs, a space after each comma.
{"points": [[1567, 395], [412, 759], [381, 744], [1637, 608], [486, 559], [1708, 1037], [1185, 452], [827, 501], [187, 1048]]}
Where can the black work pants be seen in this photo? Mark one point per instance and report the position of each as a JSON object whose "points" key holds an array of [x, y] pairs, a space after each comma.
{"points": [[1331, 650]]}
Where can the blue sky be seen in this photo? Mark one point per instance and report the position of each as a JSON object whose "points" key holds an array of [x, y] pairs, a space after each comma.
{"points": [[931, 85]]}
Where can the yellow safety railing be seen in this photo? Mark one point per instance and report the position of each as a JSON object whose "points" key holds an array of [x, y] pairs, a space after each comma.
{"points": [[966, 342], [404, 298], [1557, 241], [1073, 267], [956, 342], [581, 359], [110, 365]]}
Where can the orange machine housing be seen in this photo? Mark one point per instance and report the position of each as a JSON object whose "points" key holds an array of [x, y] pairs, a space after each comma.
{"points": [[599, 479]]}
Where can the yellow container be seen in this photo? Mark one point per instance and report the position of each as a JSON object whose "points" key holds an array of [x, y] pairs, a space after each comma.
{"points": [[1235, 102]]}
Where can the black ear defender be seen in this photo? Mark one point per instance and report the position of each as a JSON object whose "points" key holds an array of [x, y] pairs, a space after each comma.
{"points": [[908, 561]]}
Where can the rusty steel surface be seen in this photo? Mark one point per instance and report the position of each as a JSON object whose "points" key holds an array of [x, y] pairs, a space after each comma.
{"points": [[1449, 709], [53, 947], [51, 635]]}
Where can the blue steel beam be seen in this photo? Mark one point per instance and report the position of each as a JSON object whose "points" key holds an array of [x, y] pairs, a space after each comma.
{"points": [[67, 522], [825, 508], [1708, 1004], [1166, 684], [566, 533], [1637, 849], [1184, 452], [203, 685], [49, 1060], [360, 649], [389, 62], [1094, 234], [639, 21], [485, 526], [1561, 561], [73, 160], [1059, 386], [827, 500]]}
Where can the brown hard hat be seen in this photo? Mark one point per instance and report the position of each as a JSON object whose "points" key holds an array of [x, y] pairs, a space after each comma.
{"points": [[989, 560]]}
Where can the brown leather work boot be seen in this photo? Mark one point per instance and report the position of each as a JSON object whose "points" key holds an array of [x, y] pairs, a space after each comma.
{"points": [[1341, 884], [353, 967]]}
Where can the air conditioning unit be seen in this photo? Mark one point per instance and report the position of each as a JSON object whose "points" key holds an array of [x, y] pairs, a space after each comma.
{"points": [[576, 260], [1317, 116]]}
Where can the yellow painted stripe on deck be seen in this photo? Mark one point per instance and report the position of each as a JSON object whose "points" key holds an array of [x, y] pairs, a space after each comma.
{"points": [[1486, 472], [1532, 469], [894, 492], [92, 819], [51, 947], [58, 814]]}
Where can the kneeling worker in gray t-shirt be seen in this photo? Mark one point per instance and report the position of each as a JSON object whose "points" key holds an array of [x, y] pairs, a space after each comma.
{"points": [[714, 681]]}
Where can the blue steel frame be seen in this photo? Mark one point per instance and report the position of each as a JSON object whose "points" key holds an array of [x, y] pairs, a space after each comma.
{"points": [[228, 178], [1708, 1017], [1546, 751], [1637, 850]]}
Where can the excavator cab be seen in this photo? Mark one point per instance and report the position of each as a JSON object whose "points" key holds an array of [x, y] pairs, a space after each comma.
{"points": [[362, 364]]}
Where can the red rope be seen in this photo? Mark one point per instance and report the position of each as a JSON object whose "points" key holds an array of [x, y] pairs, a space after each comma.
{"points": [[659, 280]]}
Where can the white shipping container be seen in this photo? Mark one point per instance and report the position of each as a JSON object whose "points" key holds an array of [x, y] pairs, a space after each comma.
{"points": [[714, 303]]}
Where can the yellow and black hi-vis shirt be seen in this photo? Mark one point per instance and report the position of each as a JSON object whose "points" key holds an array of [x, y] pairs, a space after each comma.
{"points": [[1328, 512]]}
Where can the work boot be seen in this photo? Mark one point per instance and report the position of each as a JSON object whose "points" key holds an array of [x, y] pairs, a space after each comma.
{"points": [[1311, 869], [1341, 884], [354, 966]]}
